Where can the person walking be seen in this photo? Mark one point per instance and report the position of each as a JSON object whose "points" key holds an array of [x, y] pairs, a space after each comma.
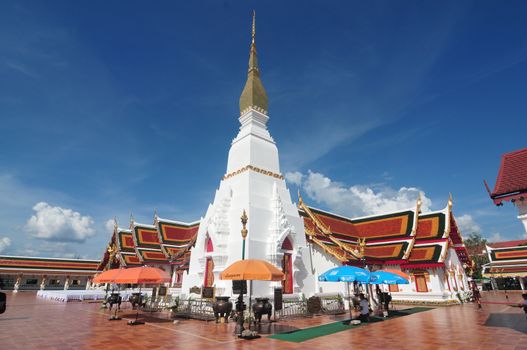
{"points": [[476, 294], [524, 304]]}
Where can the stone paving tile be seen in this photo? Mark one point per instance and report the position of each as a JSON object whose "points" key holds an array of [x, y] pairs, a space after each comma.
{"points": [[32, 323]]}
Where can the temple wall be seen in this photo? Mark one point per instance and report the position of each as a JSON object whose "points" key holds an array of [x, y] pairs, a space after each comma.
{"points": [[522, 213], [321, 262], [33, 281], [445, 284]]}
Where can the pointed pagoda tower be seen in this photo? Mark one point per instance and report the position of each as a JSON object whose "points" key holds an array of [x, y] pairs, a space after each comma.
{"points": [[252, 182]]}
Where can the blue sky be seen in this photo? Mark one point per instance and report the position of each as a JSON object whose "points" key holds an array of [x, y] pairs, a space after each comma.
{"points": [[112, 107]]}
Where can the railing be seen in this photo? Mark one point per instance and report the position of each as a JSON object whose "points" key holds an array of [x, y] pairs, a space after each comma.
{"points": [[332, 304], [293, 307], [195, 308]]}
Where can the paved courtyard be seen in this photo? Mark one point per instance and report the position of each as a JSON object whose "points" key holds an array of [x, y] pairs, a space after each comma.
{"points": [[31, 323]]}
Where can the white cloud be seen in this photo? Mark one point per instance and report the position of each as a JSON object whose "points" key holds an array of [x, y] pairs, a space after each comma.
{"points": [[495, 237], [5, 242], [294, 177], [108, 226], [59, 224], [360, 200], [467, 225]]}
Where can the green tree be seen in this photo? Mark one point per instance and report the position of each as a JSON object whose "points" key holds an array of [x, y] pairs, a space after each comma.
{"points": [[476, 247]]}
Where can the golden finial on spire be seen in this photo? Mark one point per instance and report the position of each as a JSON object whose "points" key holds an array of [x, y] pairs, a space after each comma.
{"points": [[253, 94], [254, 25], [450, 201]]}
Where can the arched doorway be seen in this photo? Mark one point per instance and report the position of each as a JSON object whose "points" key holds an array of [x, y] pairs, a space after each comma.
{"points": [[287, 266], [209, 263]]}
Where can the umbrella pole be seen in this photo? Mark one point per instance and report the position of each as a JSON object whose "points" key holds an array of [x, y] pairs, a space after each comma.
{"points": [[250, 301], [136, 322], [349, 300], [104, 305], [140, 301], [118, 304]]}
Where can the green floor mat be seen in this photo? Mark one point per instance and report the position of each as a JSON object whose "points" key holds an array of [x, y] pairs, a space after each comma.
{"points": [[298, 336]]}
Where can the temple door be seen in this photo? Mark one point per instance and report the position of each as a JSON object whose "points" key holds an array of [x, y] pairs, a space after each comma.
{"points": [[179, 278], [420, 283], [209, 273], [287, 268]]}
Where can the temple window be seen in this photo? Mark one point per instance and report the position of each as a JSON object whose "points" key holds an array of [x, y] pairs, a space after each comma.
{"points": [[209, 248], [287, 244], [393, 288]]}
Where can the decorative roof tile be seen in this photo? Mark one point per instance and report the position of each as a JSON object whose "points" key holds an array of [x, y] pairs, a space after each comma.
{"points": [[512, 177]]}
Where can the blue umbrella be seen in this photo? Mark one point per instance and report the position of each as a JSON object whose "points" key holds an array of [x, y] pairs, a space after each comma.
{"points": [[346, 274], [384, 277]]}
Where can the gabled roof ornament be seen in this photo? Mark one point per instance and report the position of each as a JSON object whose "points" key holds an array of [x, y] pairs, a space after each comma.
{"points": [[300, 201], [419, 203], [450, 202]]}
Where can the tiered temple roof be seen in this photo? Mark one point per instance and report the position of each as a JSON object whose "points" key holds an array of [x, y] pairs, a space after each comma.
{"points": [[165, 242], [507, 259], [511, 184], [407, 238]]}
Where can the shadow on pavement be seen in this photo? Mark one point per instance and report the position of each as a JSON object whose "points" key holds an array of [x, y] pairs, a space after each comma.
{"points": [[515, 321], [272, 328]]}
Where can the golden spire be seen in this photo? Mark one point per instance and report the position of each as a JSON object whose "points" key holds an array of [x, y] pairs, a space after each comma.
{"points": [[254, 26], [253, 94]]}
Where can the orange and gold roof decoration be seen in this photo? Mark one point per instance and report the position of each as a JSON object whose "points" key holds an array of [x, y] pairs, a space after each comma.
{"points": [[407, 238], [166, 242]]}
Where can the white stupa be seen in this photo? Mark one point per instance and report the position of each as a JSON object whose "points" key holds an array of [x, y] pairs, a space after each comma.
{"points": [[253, 182]]}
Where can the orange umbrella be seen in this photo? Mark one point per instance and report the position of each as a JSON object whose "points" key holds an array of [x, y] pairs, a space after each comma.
{"points": [[107, 276], [397, 272], [143, 274], [253, 270]]}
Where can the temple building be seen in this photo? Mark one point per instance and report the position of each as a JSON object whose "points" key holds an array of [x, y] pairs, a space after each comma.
{"points": [[305, 241], [426, 246], [252, 184], [298, 238], [511, 184], [31, 273], [507, 265], [166, 244]]}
